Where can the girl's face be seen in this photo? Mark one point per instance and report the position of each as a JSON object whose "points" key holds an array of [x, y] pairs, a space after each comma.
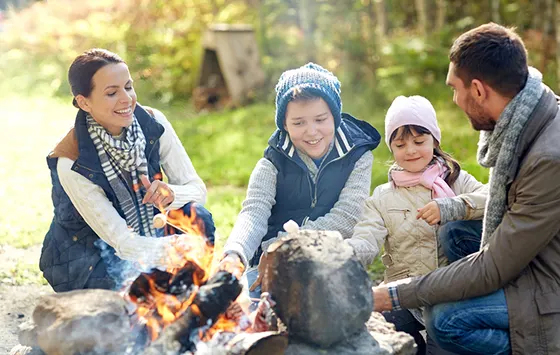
{"points": [[413, 152], [310, 125], [112, 100]]}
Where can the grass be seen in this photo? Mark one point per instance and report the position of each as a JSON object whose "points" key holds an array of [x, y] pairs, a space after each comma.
{"points": [[223, 146]]}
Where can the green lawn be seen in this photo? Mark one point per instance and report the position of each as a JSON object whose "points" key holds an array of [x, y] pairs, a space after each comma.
{"points": [[224, 148]]}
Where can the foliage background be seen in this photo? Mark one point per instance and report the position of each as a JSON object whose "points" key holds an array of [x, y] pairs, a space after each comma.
{"points": [[378, 48]]}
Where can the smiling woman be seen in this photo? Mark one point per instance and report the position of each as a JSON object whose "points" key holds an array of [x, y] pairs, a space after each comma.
{"points": [[107, 181]]}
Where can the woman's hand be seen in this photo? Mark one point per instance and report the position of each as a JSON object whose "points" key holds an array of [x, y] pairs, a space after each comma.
{"points": [[158, 193], [430, 213]]}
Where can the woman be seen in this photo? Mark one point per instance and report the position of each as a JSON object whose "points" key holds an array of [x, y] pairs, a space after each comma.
{"points": [[107, 181]]}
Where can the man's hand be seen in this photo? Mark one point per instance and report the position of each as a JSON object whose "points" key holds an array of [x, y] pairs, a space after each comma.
{"points": [[263, 270], [430, 213], [158, 193], [381, 299]]}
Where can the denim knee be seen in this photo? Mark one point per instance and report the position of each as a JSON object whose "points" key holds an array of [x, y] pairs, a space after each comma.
{"points": [[439, 325], [460, 238], [203, 215]]}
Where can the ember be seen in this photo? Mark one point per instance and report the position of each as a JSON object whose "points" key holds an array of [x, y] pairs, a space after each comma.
{"points": [[192, 289]]}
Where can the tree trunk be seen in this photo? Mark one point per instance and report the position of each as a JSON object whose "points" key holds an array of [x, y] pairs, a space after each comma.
{"points": [[441, 12], [422, 17], [496, 11], [548, 24], [557, 21], [380, 19], [307, 17]]}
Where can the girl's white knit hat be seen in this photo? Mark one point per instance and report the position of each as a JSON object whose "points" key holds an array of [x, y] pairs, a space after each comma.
{"points": [[412, 110]]}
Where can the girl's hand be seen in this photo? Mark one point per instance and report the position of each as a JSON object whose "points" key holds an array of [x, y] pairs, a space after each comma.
{"points": [[430, 213], [158, 193]]}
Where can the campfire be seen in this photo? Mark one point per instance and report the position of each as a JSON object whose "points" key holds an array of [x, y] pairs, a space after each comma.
{"points": [[316, 287]]}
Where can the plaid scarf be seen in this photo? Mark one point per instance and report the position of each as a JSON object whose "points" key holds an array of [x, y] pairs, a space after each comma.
{"points": [[496, 149], [120, 157]]}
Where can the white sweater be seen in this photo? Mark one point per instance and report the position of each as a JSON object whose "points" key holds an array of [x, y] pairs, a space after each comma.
{"points": [[98, 211]]}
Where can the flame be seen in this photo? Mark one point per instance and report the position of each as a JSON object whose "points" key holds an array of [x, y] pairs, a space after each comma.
{"points": [[192, 254]]}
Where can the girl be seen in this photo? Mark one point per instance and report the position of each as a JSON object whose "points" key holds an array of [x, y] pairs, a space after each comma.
{"points": [[424, 214], [106, 180]]}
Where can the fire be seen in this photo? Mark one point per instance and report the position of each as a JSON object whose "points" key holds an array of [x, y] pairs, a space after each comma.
{"points": [[161, 297]]}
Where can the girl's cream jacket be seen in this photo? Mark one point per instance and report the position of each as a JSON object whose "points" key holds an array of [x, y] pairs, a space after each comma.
{"points": [[410, 245]]}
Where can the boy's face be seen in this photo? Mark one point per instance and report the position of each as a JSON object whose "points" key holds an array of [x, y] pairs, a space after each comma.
{"points": [[310, 125]]}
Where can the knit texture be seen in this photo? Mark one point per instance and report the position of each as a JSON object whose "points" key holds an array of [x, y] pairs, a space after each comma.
{"points": [[252, 223], [496, 149], [412, 110], [121, 157], [313, 79]]}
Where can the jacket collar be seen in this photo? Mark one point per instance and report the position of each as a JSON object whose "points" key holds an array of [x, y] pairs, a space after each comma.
{"points": [[87, 153], [545, 111], [350, 134]]}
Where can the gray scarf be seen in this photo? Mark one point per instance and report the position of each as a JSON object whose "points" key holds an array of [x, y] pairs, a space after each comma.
{"points": [[119, 158], [496, 149]]}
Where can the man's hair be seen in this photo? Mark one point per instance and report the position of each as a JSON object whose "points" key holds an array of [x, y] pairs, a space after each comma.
{"points": [[493, 54]]}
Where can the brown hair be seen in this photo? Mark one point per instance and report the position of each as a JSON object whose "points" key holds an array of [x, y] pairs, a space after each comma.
{"points": [[85, 66], [452, 164], [493, 54]]}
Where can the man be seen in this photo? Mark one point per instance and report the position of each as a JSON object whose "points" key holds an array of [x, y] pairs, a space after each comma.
{"points": [[504, 298]]}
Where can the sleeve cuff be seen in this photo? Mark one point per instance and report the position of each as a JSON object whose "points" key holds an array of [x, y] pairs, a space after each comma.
{"points": [[396, 305], [451, 209], [237, 249]]}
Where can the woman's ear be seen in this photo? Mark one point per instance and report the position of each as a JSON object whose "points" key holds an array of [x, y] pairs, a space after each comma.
{"points": [[83, 103]]}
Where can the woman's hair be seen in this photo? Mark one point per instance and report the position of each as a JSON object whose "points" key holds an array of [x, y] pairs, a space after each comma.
{"points": [[84, 67], [452, 164]]}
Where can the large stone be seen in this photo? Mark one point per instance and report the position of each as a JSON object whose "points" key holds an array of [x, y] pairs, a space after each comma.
{"points": [[82, 321], [322, 292], [380, 338]]}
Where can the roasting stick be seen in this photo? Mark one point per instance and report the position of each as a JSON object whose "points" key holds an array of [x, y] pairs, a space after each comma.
{"points": [[160, 220]]}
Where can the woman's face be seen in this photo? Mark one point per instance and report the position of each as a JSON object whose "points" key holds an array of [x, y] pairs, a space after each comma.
{"points": [[112, 101]]}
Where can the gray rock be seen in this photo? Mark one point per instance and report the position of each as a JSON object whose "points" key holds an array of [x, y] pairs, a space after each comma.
{"points": [[380, 338], [26, 350], [322, 292], [82, 321]]}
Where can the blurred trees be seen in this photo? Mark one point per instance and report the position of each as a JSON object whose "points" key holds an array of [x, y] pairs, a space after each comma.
{"points": [[375, 45]]}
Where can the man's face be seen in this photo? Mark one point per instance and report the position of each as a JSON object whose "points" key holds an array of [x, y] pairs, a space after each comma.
{"points": [[463, 97]]}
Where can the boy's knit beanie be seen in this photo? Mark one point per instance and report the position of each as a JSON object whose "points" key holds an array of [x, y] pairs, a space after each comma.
{"points": [[311, 78]]}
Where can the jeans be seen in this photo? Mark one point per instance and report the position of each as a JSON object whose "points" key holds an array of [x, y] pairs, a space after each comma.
{"points": [[202, 214], [404, 321], [460, 238], [249, 278], [475, 326]]}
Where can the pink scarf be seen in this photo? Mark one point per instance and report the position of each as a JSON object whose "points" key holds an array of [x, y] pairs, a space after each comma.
{"points": [[430, 178]]}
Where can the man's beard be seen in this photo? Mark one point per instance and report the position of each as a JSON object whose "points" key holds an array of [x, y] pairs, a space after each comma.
{"points": [[480, 120]]}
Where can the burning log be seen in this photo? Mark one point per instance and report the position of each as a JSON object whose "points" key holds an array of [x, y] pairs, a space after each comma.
{"points": [[211, 301], [315, 279]]}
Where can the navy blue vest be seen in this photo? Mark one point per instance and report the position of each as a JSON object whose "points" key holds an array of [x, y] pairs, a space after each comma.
{"points": [[297, 197], [69, 255]]}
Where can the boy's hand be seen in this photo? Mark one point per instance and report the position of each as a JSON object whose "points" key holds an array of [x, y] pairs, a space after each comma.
{"points": [[430, 213]]}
